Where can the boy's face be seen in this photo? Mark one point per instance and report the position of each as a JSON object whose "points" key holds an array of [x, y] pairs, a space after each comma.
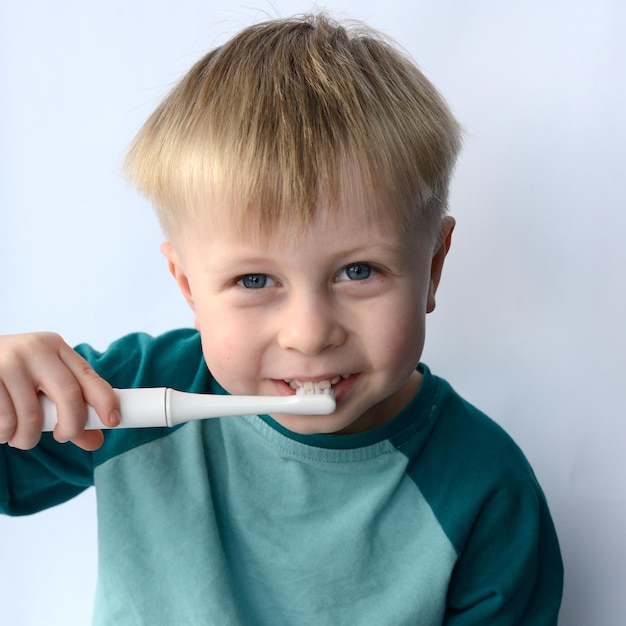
{"points": [[345, 302]]}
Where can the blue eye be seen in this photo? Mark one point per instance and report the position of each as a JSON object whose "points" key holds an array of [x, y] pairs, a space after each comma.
{"points": [[254, 281], [356, 271]]}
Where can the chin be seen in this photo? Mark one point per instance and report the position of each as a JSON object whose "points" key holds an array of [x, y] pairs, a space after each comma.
{"points": [[309, 424]]}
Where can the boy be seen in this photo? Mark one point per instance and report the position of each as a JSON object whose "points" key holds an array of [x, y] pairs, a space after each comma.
{"points": [[300, 173]]}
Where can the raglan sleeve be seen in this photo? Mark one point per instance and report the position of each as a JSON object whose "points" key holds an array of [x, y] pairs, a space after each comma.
{"points": [[509, 571]]}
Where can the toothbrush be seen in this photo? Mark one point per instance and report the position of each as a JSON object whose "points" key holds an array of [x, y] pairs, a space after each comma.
{"points": [[162, 406]]}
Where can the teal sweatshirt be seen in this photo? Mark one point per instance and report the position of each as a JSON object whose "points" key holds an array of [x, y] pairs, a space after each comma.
{"points": [[434, 518]]}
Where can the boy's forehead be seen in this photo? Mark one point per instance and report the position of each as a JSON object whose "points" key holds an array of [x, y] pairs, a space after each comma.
{"points": [[225, 229], [356, 200], [219, 218]]}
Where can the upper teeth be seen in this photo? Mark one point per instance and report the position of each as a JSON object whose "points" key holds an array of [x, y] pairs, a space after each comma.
{"points": [[309, 385]]}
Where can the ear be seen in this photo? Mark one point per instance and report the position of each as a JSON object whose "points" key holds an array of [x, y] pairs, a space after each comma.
{"points": [[177, 271], [444, 239]]}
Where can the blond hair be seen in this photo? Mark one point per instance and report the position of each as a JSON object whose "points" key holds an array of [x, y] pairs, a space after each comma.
{"points": [[293, 112]]}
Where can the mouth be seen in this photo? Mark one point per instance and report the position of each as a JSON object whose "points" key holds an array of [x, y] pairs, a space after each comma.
{"points": [[339, 385]]}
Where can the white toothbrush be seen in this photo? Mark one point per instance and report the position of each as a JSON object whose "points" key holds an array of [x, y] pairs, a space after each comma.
{"points": [[161, 406]]}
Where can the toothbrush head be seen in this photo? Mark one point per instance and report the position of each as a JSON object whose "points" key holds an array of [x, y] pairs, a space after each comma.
{"points": [[311, 399]]}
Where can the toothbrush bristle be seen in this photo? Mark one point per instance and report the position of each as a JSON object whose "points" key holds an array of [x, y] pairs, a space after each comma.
{"points": [[314, 389]]}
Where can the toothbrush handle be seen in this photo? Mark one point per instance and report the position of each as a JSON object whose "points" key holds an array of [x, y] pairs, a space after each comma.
{"points": [[161, 406], [139, 408]]}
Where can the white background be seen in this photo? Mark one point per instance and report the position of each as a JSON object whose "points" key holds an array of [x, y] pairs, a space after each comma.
{"points": [[529, 324]]}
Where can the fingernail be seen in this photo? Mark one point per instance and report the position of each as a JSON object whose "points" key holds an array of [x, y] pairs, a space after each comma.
{"points": [[114, 418]]}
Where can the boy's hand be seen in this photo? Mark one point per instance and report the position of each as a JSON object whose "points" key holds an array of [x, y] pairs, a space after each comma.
{"points": [[43, 362]]}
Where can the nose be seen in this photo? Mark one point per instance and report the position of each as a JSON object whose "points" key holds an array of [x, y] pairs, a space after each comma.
{"points": [[310, 324]]}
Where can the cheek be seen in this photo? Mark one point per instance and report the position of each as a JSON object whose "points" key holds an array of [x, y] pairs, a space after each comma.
{"points": [[228, 348], [404, 346], [401, 342]]}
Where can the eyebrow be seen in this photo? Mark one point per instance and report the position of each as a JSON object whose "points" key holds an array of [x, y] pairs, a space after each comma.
{"points": [[394, 249], [365, 249], [243, 257]]}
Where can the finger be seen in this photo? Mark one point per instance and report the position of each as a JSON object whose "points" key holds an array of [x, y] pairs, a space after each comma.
{"points": [[8, 418], [96, 391], [27, 411], [89, 440], [71, 409], [74, 385]]}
